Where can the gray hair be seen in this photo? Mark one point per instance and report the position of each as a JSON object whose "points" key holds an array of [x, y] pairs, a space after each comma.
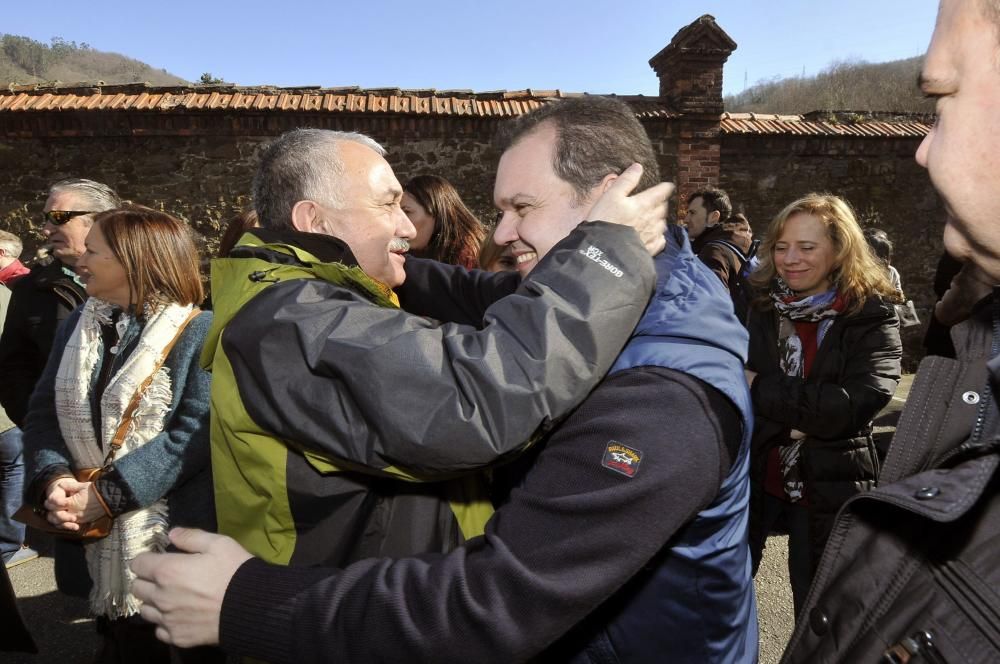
{"points": [[99, 197], [302, 164], [11, 244]]}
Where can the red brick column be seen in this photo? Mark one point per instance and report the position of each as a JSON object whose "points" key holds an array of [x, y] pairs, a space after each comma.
{"points": [[690, 73]]}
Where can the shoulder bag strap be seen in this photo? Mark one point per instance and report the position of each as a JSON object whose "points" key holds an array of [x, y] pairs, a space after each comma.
{"points": [[119, 437]]}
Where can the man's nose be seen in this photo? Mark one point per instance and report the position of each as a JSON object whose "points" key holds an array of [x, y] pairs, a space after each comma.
{"points": [[404, 227], [506, 231], [924, 148]]}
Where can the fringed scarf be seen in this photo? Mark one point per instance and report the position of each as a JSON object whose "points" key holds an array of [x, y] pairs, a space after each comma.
{"points": [[143, 529], [821, 308]]}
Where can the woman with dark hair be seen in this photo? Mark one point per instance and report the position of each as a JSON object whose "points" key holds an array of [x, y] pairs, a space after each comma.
{"points": [[235, 228], [117, 430], [446, 230], [824, 359], [495, 257]]}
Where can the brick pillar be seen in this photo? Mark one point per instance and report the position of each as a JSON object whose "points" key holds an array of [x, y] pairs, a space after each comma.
{"points": [[690, 73]]}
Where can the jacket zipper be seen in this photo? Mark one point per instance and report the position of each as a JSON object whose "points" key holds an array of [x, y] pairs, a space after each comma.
{"points": [[69, 296], [919, 647]]}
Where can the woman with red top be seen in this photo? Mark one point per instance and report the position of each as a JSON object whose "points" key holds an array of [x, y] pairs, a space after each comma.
{"points": [[446, 230], [824, 359]]}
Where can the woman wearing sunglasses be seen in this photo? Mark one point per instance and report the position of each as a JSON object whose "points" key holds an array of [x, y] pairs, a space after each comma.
{"points": [[117, 427]]}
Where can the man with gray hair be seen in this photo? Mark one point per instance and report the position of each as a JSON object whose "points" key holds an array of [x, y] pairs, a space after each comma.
{"points": [[39, 301], [331, 407], [43, 298]]}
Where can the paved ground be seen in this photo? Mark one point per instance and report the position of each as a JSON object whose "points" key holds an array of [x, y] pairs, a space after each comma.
{"points": [[65, 634]]}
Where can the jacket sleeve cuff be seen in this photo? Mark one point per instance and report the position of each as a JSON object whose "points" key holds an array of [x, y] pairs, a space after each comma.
{"points": [[115, 493], [35, 493], [258, 611]]}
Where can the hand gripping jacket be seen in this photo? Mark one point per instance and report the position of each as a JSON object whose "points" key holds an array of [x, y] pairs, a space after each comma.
{"points": [[343, 428]]}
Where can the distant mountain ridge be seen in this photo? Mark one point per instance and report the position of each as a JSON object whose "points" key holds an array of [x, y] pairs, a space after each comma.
{"points": [[24, 60], [857, 86]]}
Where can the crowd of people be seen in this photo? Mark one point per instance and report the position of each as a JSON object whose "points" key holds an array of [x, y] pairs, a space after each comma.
{"points": [[397, 434]]}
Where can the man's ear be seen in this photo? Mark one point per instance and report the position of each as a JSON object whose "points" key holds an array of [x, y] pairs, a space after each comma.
{"points": [[713, 217], [605, 184], [305, 216]]}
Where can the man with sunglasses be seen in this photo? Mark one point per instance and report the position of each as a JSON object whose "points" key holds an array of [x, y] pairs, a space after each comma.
{"points": [[39, 301]]}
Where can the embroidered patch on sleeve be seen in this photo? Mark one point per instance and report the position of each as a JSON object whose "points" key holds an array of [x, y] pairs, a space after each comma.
{"points": [[621, 459]]}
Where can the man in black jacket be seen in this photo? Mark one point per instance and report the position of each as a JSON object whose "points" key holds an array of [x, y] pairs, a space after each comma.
{"points": [[39, 301], [722, 248], [44, 297], [911, 570]]}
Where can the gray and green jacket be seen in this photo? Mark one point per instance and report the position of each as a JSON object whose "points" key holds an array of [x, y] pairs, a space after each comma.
{"points": [[344, 428]]}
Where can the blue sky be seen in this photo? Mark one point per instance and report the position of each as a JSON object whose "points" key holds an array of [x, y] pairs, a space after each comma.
{"points": [[577, 46]]}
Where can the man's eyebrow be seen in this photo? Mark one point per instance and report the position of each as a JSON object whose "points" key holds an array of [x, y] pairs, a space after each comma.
{"points": [[518, 199]]}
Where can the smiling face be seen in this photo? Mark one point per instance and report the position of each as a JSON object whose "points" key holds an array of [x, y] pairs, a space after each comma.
{"points": [[370, 221], [538, 208], [67, 239], [804, 255], [102, 272], [962, 151]]}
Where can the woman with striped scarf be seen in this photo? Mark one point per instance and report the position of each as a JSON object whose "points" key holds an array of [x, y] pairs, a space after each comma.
{"points": [[117, 430], [824, 359]]}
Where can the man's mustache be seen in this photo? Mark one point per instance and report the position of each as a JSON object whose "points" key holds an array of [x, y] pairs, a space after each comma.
{"points": [[399, 244]]}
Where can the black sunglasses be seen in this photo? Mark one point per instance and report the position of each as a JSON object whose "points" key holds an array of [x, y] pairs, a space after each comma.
{"points": [[60, 217]]}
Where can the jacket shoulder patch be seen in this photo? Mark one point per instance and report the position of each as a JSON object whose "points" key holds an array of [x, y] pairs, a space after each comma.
{"points": [[621, 458]]}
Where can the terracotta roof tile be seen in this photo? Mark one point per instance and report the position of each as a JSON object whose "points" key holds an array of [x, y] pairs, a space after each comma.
{"points": [[868, 125], [496, 103], [143, 97]]}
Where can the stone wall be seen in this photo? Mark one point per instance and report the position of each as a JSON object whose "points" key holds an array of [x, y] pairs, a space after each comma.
{"points": [[205, 177], [203, 173], [877, 175]]}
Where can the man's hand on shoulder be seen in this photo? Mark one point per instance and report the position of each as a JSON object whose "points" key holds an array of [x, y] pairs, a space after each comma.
{"points": [[646, 211], [182, 593]]}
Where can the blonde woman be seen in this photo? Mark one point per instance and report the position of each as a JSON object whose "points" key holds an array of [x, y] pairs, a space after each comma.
{"points": [[118, 425], [824, 359]]}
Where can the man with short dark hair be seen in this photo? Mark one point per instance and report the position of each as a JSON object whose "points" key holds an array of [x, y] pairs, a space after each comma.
{"points": [[911, 570], [706, 208], [725, 250], [626, 536]]}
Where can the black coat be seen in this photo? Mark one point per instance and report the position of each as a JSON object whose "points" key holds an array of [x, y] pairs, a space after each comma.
{"points": [[853, 376], [913, 566], [39, 301]]}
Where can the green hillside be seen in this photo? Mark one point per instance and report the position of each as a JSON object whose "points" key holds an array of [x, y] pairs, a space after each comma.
{"points": [[24, 60], [848, 86]]}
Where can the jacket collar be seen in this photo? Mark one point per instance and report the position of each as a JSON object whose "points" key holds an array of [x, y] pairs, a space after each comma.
{"points": [[327, 248]]}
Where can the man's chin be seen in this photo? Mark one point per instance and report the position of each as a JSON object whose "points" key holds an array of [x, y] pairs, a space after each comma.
{"points": [[64, 255], [954, 240]]}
